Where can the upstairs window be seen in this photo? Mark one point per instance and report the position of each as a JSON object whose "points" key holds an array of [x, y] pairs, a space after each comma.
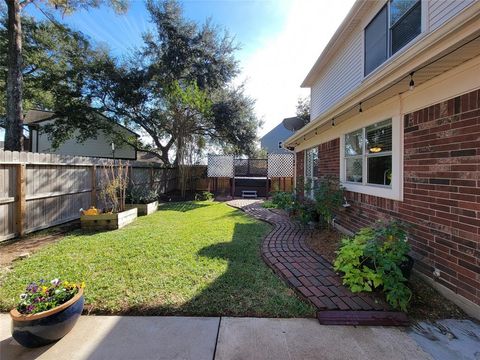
{"points": [[395, 25]]}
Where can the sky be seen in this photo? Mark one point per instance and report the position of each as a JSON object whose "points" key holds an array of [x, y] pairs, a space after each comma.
{"points": [[280, 41]]}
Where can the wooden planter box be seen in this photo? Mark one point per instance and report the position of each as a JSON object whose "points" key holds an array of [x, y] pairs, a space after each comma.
{"points": [[108, 221], [144, 209]]}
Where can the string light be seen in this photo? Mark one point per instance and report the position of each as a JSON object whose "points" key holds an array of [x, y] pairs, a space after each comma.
{"points": [[411, 86]]}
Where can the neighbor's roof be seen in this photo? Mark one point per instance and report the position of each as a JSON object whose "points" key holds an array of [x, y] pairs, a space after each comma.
{"points": [[353, 18], [37, 116]]}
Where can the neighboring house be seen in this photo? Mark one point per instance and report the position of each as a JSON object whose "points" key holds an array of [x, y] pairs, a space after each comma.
{"points": [[101, 146], [273, 141], [395, 115]]}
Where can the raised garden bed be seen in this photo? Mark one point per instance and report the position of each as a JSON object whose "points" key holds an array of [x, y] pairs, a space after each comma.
{"points": [[108, 221], [144, 209]]}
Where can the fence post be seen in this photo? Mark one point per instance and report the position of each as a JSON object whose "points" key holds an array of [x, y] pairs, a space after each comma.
{"points": [[21, 199], [93, 198]]}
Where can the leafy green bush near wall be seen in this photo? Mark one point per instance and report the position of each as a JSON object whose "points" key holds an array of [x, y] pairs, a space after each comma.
{"points": [[373, 259]]}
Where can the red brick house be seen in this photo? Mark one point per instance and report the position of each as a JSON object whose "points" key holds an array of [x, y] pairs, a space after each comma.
{"points": [[395, 115]]}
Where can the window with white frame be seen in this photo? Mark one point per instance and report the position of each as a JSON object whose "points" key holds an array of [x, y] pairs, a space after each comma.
{"points": [[311, 171], [368, 155]]}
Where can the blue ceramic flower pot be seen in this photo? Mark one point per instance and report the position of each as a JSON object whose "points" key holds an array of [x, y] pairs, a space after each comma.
{"points": [[48, 326]]}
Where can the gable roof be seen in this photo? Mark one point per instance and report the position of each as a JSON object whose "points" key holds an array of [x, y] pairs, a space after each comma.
{"points": [[36, 116]]}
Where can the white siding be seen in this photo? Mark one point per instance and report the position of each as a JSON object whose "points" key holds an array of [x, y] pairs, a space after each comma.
{"points": [[440, 11], [95, 147], [341, 76]]}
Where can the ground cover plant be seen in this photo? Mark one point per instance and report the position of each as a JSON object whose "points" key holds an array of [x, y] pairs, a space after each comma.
{"points": [[373, 259], [191, 258]]}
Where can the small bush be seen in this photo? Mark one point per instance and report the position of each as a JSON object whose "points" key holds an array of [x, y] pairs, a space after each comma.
{"points": [[372, 259], [204, 196], [141, 195], [283, 200], [328, 198], [268, 204]]}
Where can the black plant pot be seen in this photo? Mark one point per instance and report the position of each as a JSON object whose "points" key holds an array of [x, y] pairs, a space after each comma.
{"points": [[406, 267], [48, 326]]}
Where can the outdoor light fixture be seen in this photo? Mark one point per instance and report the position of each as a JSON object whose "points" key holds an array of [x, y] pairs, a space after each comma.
{"points": [[375, 149], [333, 122], [360, 107], [412, 83]]}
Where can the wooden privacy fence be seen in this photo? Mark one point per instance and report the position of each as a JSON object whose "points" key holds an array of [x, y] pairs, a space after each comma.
{"points": [[42, 190]]}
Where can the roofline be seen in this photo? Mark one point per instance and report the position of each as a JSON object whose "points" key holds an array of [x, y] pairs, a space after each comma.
{"points": [[333, 44], [465, 19], [54, 117]]}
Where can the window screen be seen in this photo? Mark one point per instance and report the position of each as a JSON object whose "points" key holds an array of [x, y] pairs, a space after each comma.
{"points": [[406, 27], [369, 150], [376, 41]]}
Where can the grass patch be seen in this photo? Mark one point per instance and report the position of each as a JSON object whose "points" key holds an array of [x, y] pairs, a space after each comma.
{"points": [[197, 258]]}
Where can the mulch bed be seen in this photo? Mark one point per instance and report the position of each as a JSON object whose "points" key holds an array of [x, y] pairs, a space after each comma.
{"points": [[426, 303], [13, 249]]}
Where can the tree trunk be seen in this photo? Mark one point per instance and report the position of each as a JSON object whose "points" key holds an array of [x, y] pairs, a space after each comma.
{"points": [[14, 123]]}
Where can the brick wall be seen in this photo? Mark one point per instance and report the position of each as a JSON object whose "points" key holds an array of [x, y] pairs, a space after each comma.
{"points": [[329, 158], [441, 192]]}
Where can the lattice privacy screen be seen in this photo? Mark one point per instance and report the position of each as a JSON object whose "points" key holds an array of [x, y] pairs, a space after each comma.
{"points": [[280, 165], [220, 166]]}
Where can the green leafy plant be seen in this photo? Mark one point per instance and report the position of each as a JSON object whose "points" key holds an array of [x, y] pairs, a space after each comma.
{"points": [[140, 195], [43, 296], [328, 197], [204, 196], [372, 259], [283, 200], [268, 204]]}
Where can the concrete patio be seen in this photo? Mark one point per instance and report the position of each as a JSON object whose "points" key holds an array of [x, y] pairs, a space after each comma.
{"points": [[117, 337]]}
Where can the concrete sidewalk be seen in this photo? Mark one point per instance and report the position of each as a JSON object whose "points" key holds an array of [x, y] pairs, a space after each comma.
{"points": [[119, 337]]}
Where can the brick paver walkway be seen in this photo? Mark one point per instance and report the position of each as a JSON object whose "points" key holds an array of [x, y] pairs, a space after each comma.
{"points": [[285, 251]]}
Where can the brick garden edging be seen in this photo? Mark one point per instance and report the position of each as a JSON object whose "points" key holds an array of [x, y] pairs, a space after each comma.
{"points": [[285, 251]]}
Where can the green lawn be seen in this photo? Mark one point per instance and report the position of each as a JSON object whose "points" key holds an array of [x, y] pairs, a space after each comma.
{"points": [[199, 258]]}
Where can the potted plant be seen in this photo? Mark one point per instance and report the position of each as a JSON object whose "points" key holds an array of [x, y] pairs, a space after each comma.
{"points": [[113, 188], [144, 200], [46, 312]]}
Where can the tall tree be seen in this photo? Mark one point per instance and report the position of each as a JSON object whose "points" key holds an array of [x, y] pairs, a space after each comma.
{"points": [[303, 109], [14, 108], [55, 71], [178, 58]]}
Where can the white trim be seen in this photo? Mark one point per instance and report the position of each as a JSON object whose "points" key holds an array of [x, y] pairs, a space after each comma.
{"points": [[419, 52], [395, 191]]}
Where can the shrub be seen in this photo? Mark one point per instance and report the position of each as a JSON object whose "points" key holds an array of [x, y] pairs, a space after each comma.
{"points": [[45, 296], [372, 259], [204, 196], [283, 200], [268, 204], [328, 198], [141, 195]]}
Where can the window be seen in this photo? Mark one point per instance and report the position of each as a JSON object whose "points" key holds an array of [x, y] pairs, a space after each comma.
{"points": [[368, 155], [395, 25], [311, 167]]}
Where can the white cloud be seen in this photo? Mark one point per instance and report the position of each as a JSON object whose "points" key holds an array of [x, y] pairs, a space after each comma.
{"points": [[275, 71]]}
